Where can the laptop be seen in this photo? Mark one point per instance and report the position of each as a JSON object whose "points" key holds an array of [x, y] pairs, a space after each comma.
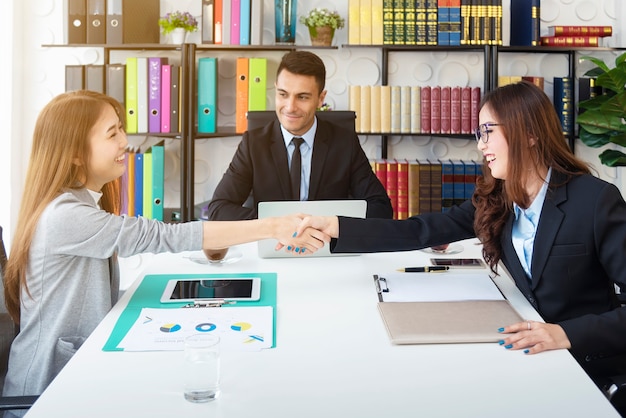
{"points": [[353, 208]]}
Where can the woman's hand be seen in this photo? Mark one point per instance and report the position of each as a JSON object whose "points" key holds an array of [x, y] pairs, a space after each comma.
{"points": [[534, 337], [326, 225]]}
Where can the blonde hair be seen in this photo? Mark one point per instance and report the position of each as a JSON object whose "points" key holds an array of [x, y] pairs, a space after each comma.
{"points": [[58, 161]]}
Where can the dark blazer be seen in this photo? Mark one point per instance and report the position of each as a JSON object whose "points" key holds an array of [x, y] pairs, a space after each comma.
{"points": [[339, 170], [579, 255]]}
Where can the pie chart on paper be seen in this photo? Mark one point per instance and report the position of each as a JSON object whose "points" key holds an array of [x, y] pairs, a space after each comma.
{"points": [[168, 328], [240, 326]]}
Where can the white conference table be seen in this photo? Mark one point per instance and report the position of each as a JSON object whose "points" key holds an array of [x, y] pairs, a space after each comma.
{"points": [[333, 358]]}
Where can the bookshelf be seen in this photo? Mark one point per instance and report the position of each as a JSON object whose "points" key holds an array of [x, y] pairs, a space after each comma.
{"points": [[188, 54]]}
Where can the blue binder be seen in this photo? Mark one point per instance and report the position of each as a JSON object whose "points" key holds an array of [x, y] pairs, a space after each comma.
{"points": [[207, 95]]}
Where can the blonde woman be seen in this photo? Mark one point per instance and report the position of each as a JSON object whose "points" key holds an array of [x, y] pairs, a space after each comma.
{"points": [[62, 276]]}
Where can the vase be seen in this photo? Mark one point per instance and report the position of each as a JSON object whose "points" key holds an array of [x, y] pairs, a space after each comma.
{"points": [[286, 19], [321, 36], [178, 36]]}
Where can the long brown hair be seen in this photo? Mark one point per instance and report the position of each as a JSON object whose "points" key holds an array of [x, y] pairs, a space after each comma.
{"points": [[60, 140], [535, 139]]}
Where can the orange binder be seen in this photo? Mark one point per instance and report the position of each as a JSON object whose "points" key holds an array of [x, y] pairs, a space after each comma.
{"points": [[241, 101]]}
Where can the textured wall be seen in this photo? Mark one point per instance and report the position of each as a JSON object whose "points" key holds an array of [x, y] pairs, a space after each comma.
{"points": [[43, 72]]}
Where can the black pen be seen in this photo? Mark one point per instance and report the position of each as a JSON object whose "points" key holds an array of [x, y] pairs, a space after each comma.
{"points": [[425, 269]]}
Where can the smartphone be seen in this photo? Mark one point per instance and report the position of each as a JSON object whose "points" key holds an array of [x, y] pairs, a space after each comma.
{"points": [[458, 262], [214, 288]]}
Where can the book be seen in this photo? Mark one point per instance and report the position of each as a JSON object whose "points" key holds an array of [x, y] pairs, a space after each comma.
{"points": [[392, 185], [398, 22], [354, 22], [570, 40], [410, 22], [403, 188], [443, 22], [435, 186], [425, 109], [475, 102], [380, 169], [470, 179], [580, 30], [455, 110], [375, 109], [424, 188], [354, 104], [563, 89], [536, 80], [415, 109], [454, 19], [446, 110], [431, 22], [388, 18], [525, 23], [366, 109], [405, 109], [414, 188], [396, 111], [365, 22], [420, 22], [458, 182], [385, 109], [377, 22], [466, 110], [435, 109], [447, 185]]}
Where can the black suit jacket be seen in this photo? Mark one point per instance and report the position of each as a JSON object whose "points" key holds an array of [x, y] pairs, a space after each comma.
{"points": [[339, 170], [579, 255]]}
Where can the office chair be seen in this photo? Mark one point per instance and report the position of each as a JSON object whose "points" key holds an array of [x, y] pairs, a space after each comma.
{"points": [[343, 118], [8, 331]]}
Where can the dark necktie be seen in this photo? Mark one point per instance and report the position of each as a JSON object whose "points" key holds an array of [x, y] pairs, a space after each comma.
{"points": [[296, 168]]}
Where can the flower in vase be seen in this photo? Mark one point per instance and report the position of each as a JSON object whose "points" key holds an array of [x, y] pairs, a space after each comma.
{"points": [[177, 19]]}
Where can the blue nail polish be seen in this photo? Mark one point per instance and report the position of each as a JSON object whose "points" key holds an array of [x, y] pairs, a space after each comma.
{"points": [[508, 346], [289, 248], [294, 234], [500, 329], [526, 351], [297, 250], [501, 342], [303, 250]]}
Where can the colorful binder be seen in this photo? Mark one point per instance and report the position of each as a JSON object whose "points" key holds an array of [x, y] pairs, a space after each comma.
{"points": [[175, 99], [244, 22], [142, 94], [147, 184], [130, 187], [241, 95], [235, 16], [207, 95], [155, 65], [166, 86], [257, 79], [138, 184], [131, 95], [158, 168]]}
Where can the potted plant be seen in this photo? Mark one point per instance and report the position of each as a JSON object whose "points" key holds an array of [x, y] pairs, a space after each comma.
{"points": [[603, 120], [322, 24], [179, 24]]}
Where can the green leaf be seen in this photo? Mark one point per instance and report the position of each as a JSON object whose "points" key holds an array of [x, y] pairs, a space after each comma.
{"points": [[596, 61], [599, 122], [618, 138], [613, 158], [592, 140], [614, 79]]}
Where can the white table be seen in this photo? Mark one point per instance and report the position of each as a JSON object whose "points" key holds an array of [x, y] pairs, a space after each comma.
{"points": [[333, 359]]}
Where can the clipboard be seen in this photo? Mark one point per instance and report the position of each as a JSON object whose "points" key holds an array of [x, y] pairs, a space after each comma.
{"points": [[430, 321]]}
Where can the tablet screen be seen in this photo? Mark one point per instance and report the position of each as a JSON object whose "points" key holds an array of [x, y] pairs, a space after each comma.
{"points": [[180, 290]]}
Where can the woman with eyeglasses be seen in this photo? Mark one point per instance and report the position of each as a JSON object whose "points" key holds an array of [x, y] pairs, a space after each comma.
{"points": [[560, 231]]}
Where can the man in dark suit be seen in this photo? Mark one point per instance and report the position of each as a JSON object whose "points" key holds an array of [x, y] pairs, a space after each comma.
{"points": [[333, 164]]}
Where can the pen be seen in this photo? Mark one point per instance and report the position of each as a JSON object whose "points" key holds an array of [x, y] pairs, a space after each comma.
{"points": [[425, 269]]}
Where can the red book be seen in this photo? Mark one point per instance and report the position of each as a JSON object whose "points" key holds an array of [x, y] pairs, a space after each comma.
{"points": [[466, 110], [455, 110], [446, 111], [574, 30], [536, 80], [380, 168], [392, 185], [475, 102], [570, 40], [425, 109], [435, 110], [403, 189]]}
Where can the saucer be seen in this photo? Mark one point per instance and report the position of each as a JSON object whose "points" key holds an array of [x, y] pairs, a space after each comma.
{"points": [[233, 255], [452, 249]]}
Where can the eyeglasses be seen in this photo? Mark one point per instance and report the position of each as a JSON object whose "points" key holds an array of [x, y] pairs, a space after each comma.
{"points": [[483, 131]]}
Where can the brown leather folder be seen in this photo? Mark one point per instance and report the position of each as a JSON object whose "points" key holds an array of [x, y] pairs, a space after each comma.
{"points": [[474, 321]]}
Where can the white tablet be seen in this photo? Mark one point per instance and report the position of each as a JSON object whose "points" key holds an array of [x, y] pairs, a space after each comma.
{"points": [[213, 288]]}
